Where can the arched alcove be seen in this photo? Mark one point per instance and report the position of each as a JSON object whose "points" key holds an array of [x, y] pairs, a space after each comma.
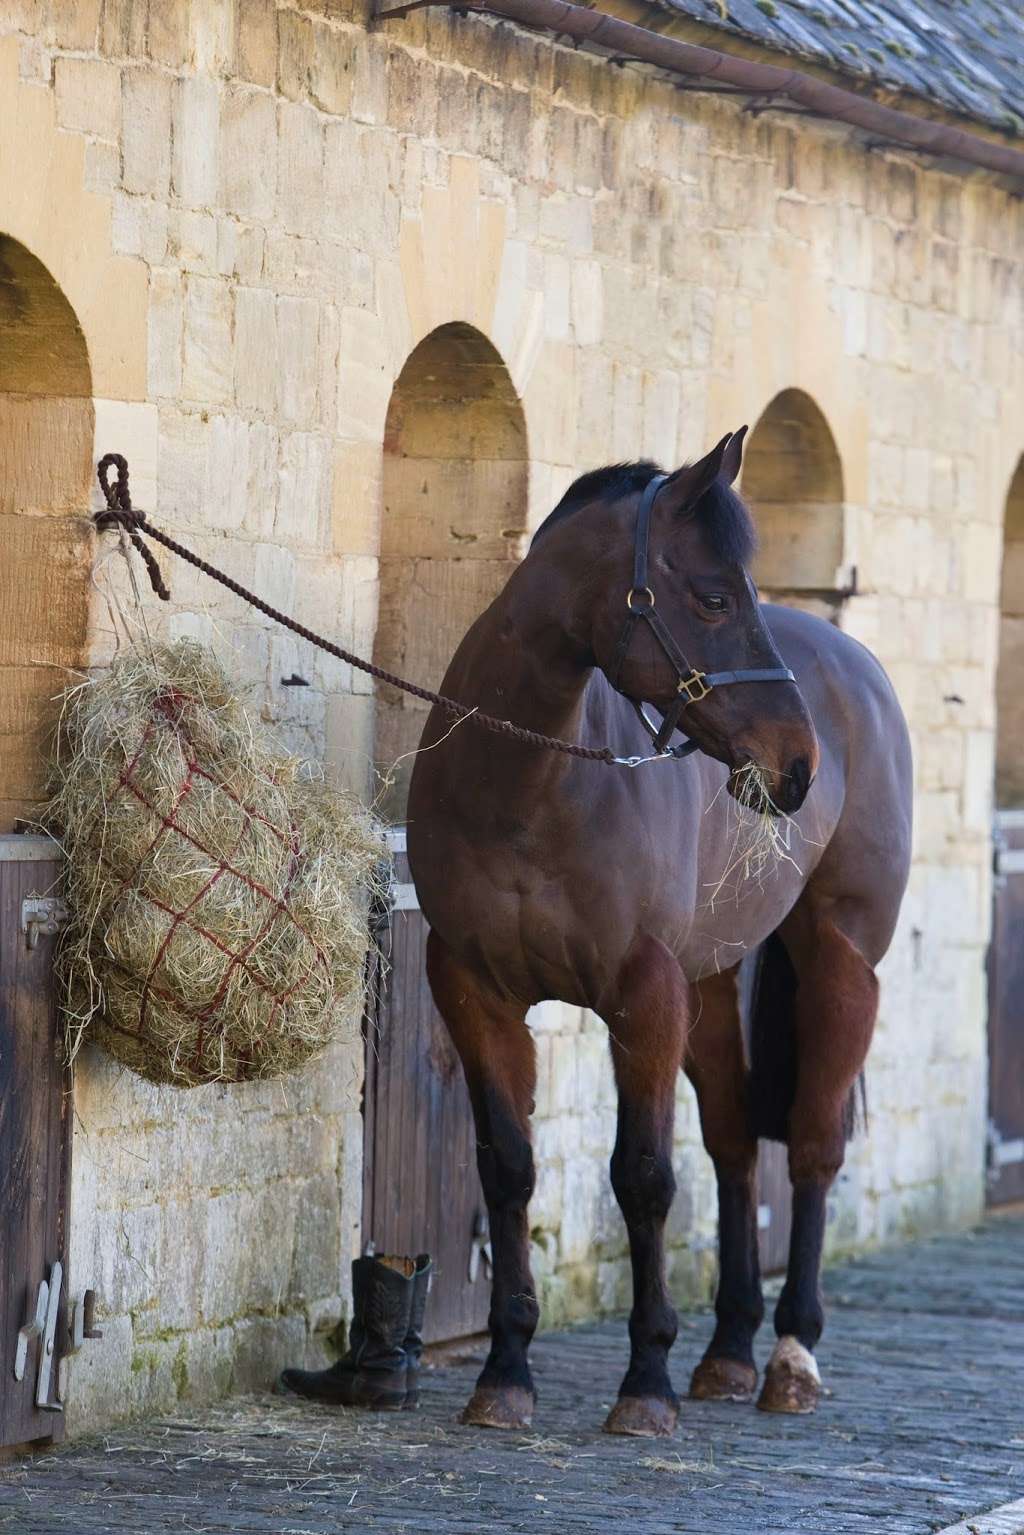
{"points": [[46, 436], [454, 499], [1010, 675], [794, 480]]}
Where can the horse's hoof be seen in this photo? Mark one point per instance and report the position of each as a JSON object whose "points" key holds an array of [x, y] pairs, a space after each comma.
{"points": [[499, 1407], [644, 1417], [717, 1379], [791, 1382]]}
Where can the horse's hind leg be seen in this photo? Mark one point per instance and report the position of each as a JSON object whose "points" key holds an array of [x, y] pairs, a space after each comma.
{"points": [[835, 1006], [716, 1065], [646, 1020], [497, 1054]]}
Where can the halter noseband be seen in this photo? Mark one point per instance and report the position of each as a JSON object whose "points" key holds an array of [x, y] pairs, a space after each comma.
{"points": [[691, 685]]}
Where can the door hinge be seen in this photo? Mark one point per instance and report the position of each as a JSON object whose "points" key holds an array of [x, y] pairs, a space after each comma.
{"points": [[42, 916], [43, 1326]]}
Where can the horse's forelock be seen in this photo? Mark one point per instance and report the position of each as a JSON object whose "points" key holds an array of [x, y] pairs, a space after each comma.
{"points": [[725, 521]]}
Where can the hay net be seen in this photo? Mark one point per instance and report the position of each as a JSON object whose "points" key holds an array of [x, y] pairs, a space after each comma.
{"points": [[219, 890]]}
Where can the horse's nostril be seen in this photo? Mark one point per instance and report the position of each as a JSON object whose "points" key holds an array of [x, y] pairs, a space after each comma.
{"points": [[798, 781]]}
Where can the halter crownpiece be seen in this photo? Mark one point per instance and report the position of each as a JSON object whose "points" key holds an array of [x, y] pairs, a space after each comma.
{"points": [[692, 685]]}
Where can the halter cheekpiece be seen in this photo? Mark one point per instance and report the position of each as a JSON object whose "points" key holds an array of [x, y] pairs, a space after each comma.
{"points": [[692, 685]]}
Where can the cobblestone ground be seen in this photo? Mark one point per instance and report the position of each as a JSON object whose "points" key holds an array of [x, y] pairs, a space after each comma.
{"points": [[922, 1426]]}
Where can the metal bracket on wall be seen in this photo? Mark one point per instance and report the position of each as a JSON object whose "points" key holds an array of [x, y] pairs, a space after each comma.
{"points": [[44, 1327]]}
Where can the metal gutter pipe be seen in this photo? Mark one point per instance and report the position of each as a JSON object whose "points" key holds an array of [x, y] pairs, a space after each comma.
{"points": [[626, 40]]}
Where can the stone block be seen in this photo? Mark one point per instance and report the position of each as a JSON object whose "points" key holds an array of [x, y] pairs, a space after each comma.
{"points": [[294, 54], [317, 1260], [361, 170], [88, 95], [370, 80], [71, 24], [297, 362], [331, 71], [192, 241], [365, 382], [264, 1346], [207, 355], [256, 42], [303, 505], [300, 188], [146, 139], [587, 303], [167, 33], [248, 152], [100, 1376], [256, 350], [195, 162], [212, 36]]}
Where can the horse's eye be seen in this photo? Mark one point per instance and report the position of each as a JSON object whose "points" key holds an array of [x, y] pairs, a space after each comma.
{"points": [[712, 602]]}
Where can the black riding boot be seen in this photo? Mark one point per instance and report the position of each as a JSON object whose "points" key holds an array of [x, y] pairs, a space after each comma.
{"points": [[414, 1337], [373, 1372]]}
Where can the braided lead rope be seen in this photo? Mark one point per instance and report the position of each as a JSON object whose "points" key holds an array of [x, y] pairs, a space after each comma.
{"points": [[120, 512]]}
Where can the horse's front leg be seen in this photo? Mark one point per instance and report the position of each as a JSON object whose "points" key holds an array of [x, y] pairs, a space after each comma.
{"points": [[646, 1019], [836, 1004], [716, 1065], [497, 1054]]}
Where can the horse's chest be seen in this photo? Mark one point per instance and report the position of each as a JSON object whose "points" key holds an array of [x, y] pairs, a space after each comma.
{"points": [[533, 932]]}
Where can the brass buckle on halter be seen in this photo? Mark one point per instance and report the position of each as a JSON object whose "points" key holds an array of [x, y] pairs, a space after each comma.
{"points": [[640, 591], [693, 687]]}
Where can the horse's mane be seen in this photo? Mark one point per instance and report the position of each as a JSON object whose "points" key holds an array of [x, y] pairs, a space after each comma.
{"points": [[722, 514]]}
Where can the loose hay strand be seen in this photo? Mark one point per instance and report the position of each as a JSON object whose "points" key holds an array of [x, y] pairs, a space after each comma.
{"points": [[219, 889], [762, 836]]}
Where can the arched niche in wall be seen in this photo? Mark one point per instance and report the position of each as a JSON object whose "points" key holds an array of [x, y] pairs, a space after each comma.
{"points": [[454, 516], [1010, 673], [46, 438], [794, 480]]}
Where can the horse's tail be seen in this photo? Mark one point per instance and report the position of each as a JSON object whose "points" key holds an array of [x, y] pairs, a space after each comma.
{"points": [[773, 1048]]}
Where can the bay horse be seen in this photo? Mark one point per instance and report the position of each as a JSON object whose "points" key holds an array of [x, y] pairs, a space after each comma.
{"points": [[543, 876]]}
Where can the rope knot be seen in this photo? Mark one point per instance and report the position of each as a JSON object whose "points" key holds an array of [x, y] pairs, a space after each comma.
{"points": [[121, 514]]}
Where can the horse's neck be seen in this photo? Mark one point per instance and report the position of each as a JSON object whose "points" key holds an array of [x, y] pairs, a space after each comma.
{"points": [[520, 663]]}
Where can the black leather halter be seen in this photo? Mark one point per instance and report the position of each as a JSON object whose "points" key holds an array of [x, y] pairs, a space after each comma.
{"points": [[691, 685]]}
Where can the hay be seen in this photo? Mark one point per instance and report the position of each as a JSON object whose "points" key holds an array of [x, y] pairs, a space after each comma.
{"points": [[218, 890], [761, 840]]}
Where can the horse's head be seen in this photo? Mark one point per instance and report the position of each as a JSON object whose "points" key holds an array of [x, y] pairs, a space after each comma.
{"points": [[696, 588]]}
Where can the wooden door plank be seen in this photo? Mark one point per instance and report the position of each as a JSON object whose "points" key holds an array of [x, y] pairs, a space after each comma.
{"points": [[1006, 1022], [34, 1146]]}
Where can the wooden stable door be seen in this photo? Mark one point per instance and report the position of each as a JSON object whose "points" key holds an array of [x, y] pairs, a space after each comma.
{"points": [[421, 1190], [1006, 1014], [35, 1128]]}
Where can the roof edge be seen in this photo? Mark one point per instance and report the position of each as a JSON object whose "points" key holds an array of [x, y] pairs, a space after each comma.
{"points": [[787, 87]]}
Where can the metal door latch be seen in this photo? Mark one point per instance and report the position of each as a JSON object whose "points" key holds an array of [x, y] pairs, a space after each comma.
{"points": [[83, 1321], [44, 1327], [480, 1249], [42, 917], [1000, 1152]]}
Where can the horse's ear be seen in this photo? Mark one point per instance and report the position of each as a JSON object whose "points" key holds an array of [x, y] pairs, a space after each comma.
{"points": [[732, 458], [684, 488]]}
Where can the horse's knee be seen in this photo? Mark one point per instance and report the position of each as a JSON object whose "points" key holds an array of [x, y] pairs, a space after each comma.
{"points": [[644, 1183]]}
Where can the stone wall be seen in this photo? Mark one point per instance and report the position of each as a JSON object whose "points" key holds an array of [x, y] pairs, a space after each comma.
{"points": [[299, 201]]}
